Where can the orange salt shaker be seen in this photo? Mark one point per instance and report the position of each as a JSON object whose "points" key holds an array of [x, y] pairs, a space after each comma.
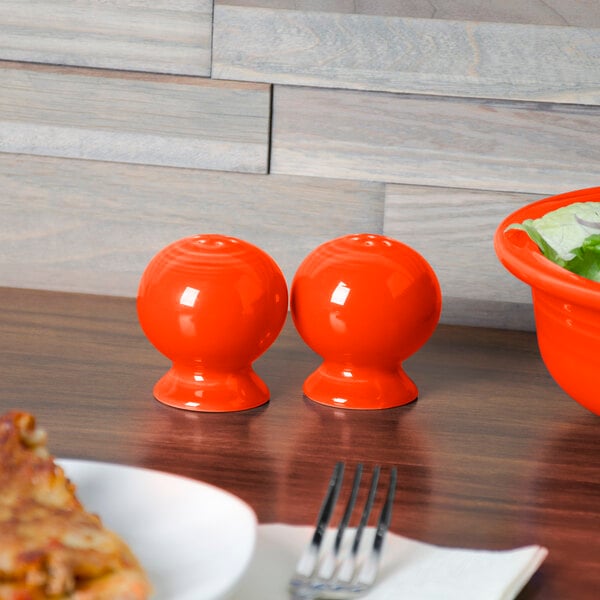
{"points": [[212, 304], [364, 303]]}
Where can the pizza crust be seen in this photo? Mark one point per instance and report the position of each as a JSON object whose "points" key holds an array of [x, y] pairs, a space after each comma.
{"points": [[50, 546]]}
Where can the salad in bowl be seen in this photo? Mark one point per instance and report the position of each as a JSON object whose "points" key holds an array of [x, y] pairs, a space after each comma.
{"points": [[553, 245]]}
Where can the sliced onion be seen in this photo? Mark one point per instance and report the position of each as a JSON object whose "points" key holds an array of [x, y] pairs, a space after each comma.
{"points": [[586, 223]]}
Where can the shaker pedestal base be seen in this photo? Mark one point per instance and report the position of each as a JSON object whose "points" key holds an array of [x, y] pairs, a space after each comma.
{"points": [[361, 388], [216, 392]]}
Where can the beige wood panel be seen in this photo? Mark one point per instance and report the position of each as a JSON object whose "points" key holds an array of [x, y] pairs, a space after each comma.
{"points": [[453, 229], [138, 118], [424, 56], [479, 144], [89, 226], [167, 36], [579, 13]]}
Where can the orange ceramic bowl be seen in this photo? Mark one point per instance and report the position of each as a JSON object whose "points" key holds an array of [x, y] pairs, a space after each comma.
{"points": [[566, 306]]}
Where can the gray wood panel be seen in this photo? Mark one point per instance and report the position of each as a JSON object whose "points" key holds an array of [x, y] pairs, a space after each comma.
{"points": [[138, 118], [466, 143], [424, 56], [583, 13], [167, 36], [453, 229], [89, 226]]}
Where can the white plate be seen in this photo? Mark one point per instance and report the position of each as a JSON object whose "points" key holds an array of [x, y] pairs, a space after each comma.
{"points": [[194, 540]]}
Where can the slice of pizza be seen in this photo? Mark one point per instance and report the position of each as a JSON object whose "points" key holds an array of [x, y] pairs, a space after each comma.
{"points": [[50, 546]]}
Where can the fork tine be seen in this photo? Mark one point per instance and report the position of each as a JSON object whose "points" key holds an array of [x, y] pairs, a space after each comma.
{"points": [[349, 507], [368, 572], [330, 563], [309, 559], [347, 569], [386, 511], [367, 509]]}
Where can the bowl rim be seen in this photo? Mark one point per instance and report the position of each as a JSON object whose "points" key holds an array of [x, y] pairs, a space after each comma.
{"points": [[521, 256]]}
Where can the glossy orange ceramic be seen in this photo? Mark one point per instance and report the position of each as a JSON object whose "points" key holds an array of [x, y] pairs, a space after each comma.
{"points": [[566, 306], [212, 304], [364, 303]]}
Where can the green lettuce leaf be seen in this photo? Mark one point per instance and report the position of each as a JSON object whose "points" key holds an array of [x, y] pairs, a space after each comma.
{"points": [[569, 237], [587, 258]]}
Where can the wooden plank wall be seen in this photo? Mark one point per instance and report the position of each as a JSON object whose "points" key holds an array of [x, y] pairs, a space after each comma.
{"points": [[136, 118], [125, 125], [159, 36], [92, 226]]}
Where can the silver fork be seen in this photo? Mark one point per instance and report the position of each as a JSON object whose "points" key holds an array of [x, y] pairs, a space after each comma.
{"points": [[332, 573]]}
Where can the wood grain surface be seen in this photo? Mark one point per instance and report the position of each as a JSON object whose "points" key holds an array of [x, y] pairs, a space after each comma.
{"points": [[164, 36], [135, 118], [450, 142], [585, 13], [454, 229], [426, 56], [492, 455], [91, 226]]}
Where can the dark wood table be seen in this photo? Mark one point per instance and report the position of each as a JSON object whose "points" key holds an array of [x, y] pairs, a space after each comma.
{"points": [[492, 455]]}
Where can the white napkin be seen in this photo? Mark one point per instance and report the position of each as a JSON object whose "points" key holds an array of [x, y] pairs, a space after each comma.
{"points": [[409, 569]]}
